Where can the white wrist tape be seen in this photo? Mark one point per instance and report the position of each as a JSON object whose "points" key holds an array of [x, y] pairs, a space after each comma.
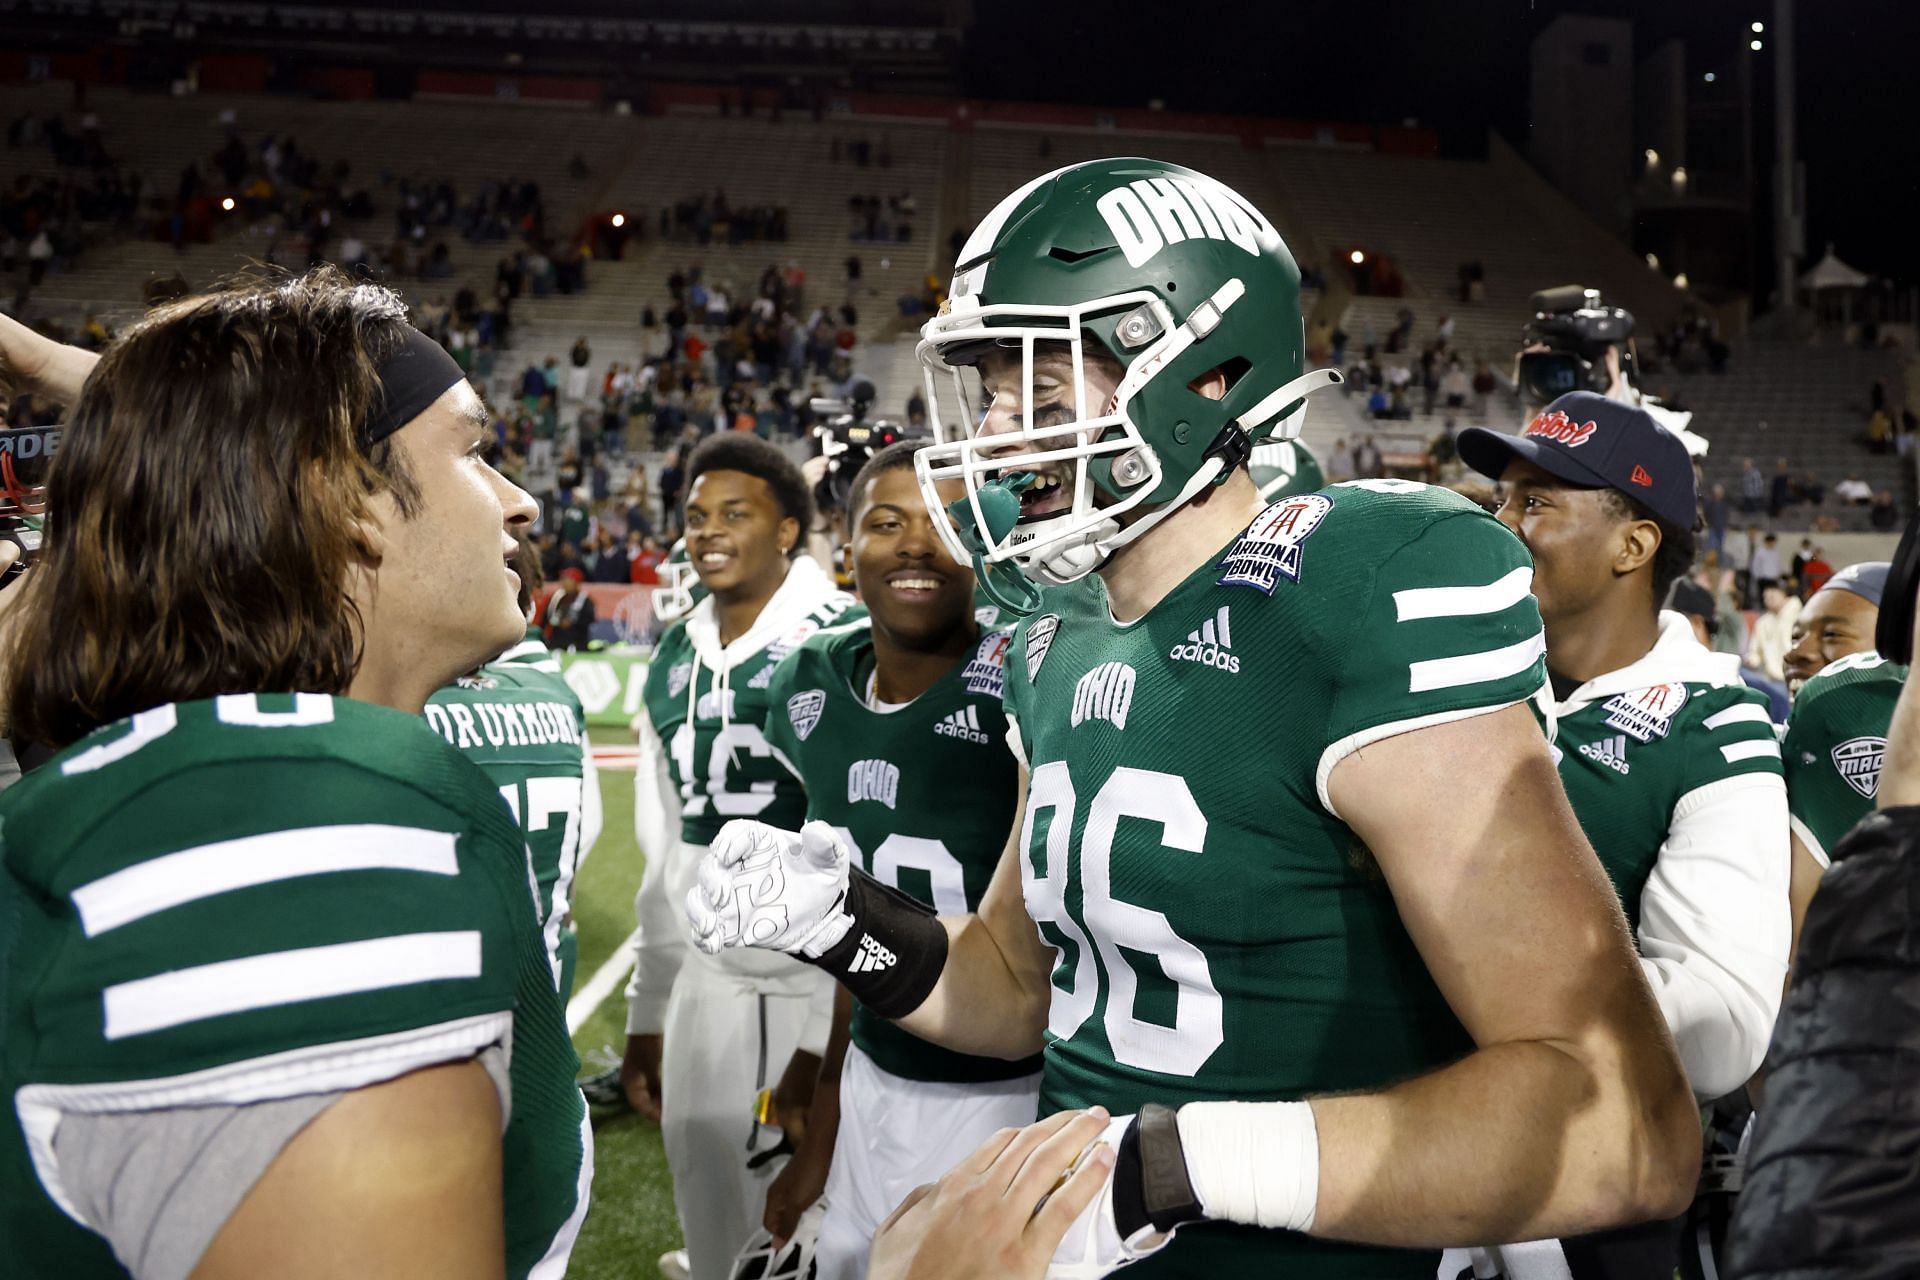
{"points": [[1256, 1163]]}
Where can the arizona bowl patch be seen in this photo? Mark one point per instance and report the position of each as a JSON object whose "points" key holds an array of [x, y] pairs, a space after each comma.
{"points": [[803, 709], [986, 671], [1646, 713], [1859, 761], [677, 676], [1271, 547], [1039, 640]]}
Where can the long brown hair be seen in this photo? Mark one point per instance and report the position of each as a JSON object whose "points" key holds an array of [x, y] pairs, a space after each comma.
{"points": [[200, 530]]}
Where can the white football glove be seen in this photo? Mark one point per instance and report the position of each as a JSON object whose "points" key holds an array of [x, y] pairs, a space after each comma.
{"points": [[1092, 1246], [760, 886]]}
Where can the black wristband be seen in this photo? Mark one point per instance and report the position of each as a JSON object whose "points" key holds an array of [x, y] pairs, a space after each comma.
{"points": [[1150, 1182], [891, 958]]}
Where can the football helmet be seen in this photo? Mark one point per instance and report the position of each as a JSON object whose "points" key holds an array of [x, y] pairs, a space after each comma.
{"points": [[759, 1260], [1161, 268], [680, 587], [1282, 468]]}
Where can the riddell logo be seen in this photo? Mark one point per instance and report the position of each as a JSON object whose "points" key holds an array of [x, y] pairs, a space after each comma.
{"points": [[1210, 645], [1561, 429]]}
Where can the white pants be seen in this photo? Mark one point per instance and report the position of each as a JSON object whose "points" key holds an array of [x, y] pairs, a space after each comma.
{"points": [[896, 1134], [727, 1038], [1533, 1260], [577, 382]]}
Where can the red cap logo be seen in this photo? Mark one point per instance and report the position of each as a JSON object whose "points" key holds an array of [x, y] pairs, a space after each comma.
{"points": [[1640, 477], [1561, 429]]}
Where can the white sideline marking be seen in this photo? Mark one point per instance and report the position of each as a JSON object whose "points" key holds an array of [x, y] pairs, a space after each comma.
{"points": [[611, 973]]}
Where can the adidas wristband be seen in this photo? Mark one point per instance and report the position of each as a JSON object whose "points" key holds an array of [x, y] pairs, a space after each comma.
{"points": [[891, 955], [1151, 1187]]}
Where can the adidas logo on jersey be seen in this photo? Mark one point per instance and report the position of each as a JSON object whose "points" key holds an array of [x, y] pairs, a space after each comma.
{"points": [[871, 957], [964, 725], [1210, 646], [1104, 693], [1611, 752]]}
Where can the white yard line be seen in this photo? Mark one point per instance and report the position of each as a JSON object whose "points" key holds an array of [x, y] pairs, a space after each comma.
{"points": [[611, 974]]}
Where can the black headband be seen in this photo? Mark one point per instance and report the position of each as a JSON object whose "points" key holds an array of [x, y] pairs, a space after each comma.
{"points": [[412, 378]]}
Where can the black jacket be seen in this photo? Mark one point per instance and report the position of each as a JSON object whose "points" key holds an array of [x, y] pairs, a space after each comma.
{"points": [[1833, 1175]]}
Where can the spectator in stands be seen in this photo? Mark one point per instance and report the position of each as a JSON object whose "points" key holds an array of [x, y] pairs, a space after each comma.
{"points": [[39, 258], [1455, 386], [569, 615], [1340, 464], [1882, 515], [1367, 462], [579, 361], [1378, 405], [1773, 630], [1763, 565], [1880, 430], [1715, 512], [1854, 490], [643, 566], [1801, 556], [608, 561], [1753, 487], [1814, 574], [1781, 494]]}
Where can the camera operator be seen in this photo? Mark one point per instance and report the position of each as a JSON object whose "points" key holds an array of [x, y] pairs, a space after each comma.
{"points": [[1576, 341], [844, 438]]}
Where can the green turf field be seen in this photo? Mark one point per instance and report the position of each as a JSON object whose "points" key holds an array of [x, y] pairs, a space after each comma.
{"points": [[631, 1222]]}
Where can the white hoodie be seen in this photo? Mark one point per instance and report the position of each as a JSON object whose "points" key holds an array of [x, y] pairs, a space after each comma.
{"points": [[660, 941]]}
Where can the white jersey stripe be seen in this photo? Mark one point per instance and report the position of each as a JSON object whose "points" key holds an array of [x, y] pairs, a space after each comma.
{"points": [[1475, 668], [209, 869], [287, 977], [1460, 602], [1743, 713], [525, 648], [1734, 752]]}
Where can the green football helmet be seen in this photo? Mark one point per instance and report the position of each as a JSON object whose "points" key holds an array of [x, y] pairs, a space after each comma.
{"points": [[1166, 271], [680, 587], [1282, 468]]}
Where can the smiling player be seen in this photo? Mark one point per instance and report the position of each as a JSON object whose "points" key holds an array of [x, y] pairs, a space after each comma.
{"points": [[897, 731]]}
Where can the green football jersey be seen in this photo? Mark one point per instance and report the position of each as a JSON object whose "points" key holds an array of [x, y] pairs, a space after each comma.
{"points": [[252, 898], [1836, 742], [718, 755], [1628, 760], [1221, 933], [924, 796], [521, 722]]}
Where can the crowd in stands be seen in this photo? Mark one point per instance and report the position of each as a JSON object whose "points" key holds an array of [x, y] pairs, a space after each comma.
{"points": [[42, 219], [712, 219]]}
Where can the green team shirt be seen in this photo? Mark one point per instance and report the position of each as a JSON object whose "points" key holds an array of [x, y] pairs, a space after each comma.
{"points": [[1836, 742], [1221, 934], [1628, 760], [252, 898], [924, 796], [521, 722], [718, 756]]}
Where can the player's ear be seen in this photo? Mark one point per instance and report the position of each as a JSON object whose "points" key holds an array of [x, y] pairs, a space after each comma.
{"points": [[788, 536], [1639, 543], [1212, 384]]}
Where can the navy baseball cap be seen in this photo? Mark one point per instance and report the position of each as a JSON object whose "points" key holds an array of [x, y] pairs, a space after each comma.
{"points": [[1596, 443]]}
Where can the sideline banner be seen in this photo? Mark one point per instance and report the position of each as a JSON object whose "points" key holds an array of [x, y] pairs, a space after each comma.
{"points": [[609, 682]]}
